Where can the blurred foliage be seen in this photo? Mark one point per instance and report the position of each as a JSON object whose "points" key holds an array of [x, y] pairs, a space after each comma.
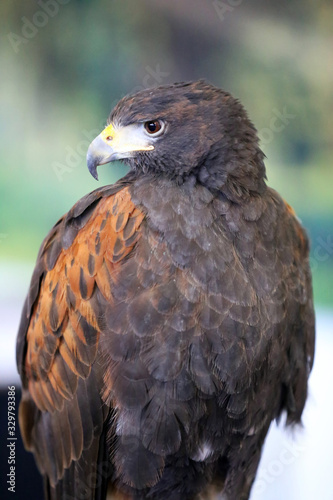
{"points": [[65, 63]]}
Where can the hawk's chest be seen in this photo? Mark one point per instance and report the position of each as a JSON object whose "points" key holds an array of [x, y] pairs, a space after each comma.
{"points": [[186, 238], [182, 298], [176, 289], [185, 322]]}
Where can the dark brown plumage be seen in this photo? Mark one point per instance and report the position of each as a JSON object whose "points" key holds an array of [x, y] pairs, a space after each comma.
{"points": [[169, 318]]}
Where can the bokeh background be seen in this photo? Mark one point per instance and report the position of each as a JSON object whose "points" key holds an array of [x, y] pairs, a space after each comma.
{"points": [[65, 63]]}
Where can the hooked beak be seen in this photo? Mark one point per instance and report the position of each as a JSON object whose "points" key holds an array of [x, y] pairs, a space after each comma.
{"points": [[99, 153], [116, 143]]}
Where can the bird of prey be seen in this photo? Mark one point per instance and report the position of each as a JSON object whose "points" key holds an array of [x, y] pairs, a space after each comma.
{"points": [[170, 317]]}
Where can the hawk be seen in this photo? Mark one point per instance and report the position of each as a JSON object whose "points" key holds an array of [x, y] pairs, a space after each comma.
{"points": [[170, 317]]}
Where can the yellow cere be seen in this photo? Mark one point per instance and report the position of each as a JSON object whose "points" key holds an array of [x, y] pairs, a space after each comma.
{"points": [[125, 139], [108, 132]]}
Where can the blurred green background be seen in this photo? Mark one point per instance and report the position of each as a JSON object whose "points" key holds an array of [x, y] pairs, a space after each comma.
{"points": [[65, 63]]}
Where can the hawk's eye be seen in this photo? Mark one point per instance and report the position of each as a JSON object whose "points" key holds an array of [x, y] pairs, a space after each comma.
{"points": [[154, 126]]}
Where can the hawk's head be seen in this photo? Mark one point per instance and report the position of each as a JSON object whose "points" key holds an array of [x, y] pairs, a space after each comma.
{"points": [[180, 131]]}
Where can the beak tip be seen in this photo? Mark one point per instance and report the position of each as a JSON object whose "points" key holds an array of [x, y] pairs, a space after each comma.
{"points": [[92, 167], [92, 164], [99, 153]]}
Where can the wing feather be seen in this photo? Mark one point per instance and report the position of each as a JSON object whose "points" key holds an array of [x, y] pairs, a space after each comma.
{"points": [[62, 413]]}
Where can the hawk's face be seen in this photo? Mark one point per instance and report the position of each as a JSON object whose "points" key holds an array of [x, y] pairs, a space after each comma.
{"points": [[177, 130]]}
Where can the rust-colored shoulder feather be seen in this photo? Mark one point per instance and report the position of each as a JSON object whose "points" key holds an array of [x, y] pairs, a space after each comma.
{"points": [[59, 332]]}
